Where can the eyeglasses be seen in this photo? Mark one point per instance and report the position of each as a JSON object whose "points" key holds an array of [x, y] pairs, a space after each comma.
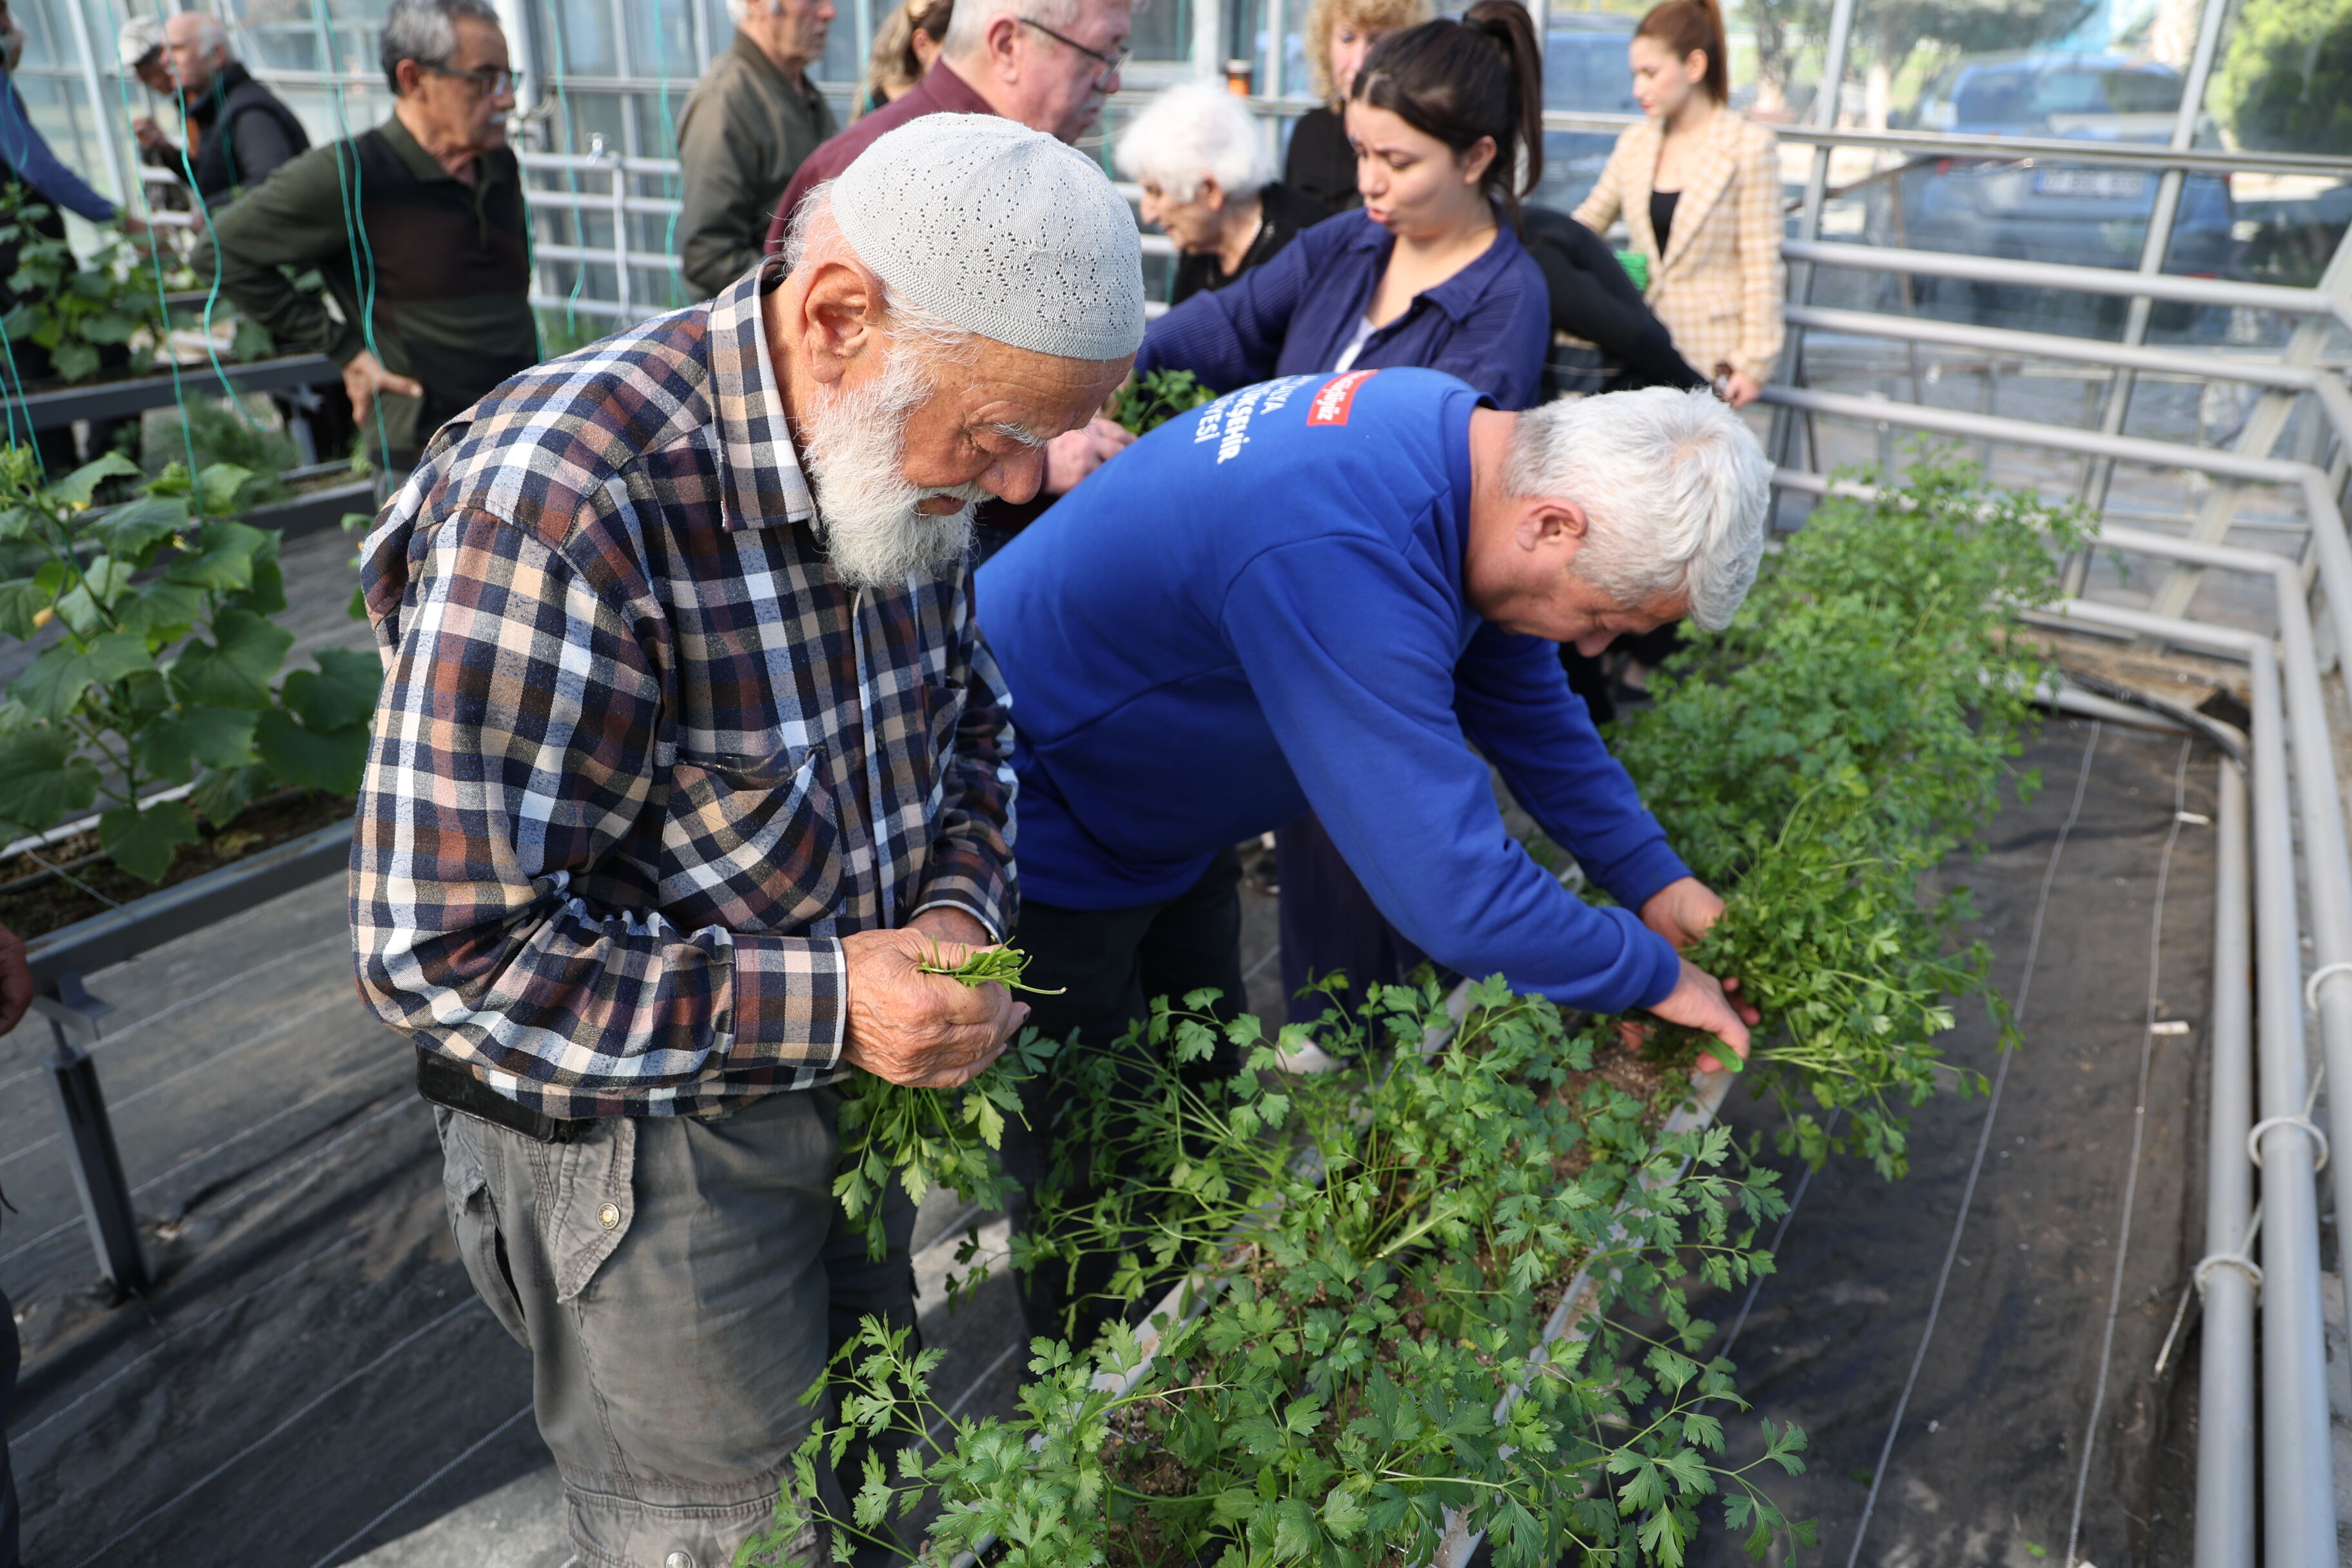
{"points": [[1112, 64], [491, 81]]}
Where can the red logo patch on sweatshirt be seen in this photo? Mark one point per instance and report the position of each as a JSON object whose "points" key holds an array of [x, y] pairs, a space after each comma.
{"points": [[1338, 396]]}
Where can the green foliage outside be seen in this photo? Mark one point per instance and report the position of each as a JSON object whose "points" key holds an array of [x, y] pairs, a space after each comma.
{"points": [[74, 309], [1854, 728], [2285, 84], [166, 668], [1146, 403]]}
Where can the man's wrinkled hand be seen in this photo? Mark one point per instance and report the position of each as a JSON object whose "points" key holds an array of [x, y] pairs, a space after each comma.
{"points": [[1682, 911], [365, 376], [1711, 1007], [1071, 456], [926, 1031]]}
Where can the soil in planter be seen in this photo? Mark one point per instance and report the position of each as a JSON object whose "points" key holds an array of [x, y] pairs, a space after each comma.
{"points": [[35, 901]]}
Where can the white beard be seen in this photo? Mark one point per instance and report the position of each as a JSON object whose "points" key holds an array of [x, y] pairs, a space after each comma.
{"points": [[856, 451]]}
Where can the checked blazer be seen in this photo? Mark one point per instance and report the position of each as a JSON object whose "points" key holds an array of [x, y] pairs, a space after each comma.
{"points": [[642, 759], [1719, 286]]}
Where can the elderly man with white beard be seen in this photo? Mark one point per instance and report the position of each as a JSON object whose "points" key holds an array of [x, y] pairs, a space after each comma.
{"points": [[689, 754]]}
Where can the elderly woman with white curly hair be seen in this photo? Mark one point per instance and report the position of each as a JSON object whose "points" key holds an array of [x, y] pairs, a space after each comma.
{"points": [[1208, 182]]}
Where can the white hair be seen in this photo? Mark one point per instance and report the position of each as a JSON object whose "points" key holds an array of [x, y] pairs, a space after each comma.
{"points": [[211, 32], [1674, 487], [742, 11], [813, 232], [968, 28], [1192, 129]]}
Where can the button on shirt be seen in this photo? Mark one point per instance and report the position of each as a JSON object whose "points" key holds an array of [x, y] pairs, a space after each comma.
{"points": [[642, 759]]}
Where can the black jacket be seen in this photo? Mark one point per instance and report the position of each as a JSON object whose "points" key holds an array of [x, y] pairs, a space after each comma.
{"points": [[1320, 164], [1283, 212], [1593, 300], [241, 132]]}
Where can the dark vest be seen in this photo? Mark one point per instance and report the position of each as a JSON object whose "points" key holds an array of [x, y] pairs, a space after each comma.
{"points": [[428, 244], [234, 96]]}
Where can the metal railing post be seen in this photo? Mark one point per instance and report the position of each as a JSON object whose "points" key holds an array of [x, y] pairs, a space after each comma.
{"points": [[2152, 250], [2225, 1378], [105, 1193]]}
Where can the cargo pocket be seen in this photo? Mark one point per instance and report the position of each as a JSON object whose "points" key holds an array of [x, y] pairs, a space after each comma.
{"points": [[750, 844], [587, 1196], [474, 1220]]}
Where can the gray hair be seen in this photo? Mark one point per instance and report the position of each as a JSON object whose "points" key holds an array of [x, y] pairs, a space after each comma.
{"points": [[969, 28], [813, 232], [425, 31], [1195, 128], [1673, 488]]}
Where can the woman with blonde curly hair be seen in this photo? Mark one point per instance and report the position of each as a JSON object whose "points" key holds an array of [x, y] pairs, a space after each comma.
{"points": [[905, 45], [1340, 35]]}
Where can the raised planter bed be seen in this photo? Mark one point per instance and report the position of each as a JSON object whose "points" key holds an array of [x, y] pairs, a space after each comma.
{"points": [[114, 399], [270, 849]]}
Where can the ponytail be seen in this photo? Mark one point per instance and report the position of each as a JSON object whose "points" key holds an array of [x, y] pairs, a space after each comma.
{"points": [[1693, 28], [1462, 81]]}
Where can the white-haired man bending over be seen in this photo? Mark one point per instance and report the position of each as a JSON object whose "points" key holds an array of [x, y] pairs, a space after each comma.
{"points": [[1344, 594], [689, 752], [1208, 182]]}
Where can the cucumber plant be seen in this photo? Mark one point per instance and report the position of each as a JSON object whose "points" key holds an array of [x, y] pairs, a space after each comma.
{"points": [[163, 666]]}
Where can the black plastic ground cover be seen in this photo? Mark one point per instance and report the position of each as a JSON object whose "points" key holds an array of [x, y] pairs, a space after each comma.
{"points": [[1985, 1464]]}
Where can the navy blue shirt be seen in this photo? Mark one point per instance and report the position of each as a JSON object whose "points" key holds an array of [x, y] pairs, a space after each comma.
{"points": [[1489, 324], [1258, 609]]}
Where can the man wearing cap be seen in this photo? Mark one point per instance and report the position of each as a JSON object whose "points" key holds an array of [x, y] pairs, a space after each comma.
{"points": [[238, 131], [689, 754]]}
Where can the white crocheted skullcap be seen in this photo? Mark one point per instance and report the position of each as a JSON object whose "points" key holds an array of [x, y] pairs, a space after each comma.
{"points": [[999, 229]]}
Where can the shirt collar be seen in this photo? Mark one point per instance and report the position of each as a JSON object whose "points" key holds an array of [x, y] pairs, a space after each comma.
{"points": [[950, 93], [489, 168], [1459, 295], [763, 484]]}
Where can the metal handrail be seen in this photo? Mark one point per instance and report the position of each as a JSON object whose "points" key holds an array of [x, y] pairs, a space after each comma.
{"points": [[1937, 143], [2334, 399], [2080, 280], [2297, 1484]]}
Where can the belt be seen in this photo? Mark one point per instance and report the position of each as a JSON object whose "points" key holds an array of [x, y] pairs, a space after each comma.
{"points": [[444, 1082]]}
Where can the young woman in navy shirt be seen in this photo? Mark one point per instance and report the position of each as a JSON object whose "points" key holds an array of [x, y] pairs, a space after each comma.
{"points": [[1446, 120], [1429, 272]]}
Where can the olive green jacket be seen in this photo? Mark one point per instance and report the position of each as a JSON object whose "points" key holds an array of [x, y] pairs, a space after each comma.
{"points": [[430, 272], [745, 129]]}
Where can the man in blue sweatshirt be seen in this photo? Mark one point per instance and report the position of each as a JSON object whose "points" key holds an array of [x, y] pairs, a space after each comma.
{"points": [[1345, 592]]}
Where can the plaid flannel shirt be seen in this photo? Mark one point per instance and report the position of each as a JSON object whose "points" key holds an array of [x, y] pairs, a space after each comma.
{"points": [[642, 759]]}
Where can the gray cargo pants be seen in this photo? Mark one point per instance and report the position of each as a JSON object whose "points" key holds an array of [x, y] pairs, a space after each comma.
{"points": [[680, 1282]]}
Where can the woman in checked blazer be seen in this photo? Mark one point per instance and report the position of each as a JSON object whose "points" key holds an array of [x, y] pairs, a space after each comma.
{"points": [[1699, 188]]}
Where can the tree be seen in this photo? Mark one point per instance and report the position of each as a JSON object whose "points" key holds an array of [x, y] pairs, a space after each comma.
{"points": [[2286, 82]]}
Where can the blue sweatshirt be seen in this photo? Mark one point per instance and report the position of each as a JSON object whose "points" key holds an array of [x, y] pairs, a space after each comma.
{"points": [[26, 157], [1490, 324], [1258, 609]]}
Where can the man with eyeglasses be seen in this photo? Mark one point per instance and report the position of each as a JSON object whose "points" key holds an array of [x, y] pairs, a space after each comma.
{"points": [[1048, 64], [419, 228]]}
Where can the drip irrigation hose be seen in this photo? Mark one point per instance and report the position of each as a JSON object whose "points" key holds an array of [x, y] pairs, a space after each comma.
{"points": [[1984, 1138], [2223, 738], [2131, 1166]]}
